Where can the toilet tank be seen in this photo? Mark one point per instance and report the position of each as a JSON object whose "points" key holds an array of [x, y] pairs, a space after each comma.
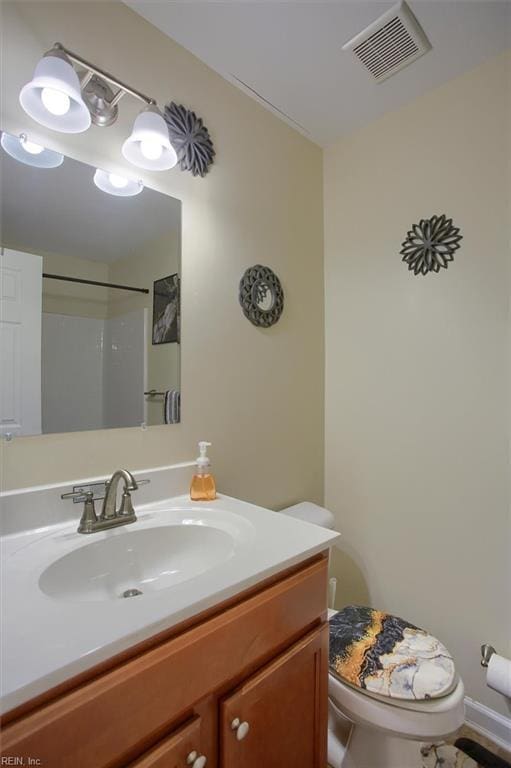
{"points": [[311, 513]]}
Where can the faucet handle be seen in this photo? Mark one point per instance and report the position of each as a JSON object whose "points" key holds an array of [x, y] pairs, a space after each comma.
{"points": [[126, 507], [89, 517], [79, 492], [78, 495]]}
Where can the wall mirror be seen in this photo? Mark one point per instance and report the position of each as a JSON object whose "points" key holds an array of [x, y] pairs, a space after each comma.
{"points": [[89, 302]]}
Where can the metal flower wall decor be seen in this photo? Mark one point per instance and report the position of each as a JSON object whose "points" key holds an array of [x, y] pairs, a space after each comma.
{"points": [[431, 244], [190, 138]]}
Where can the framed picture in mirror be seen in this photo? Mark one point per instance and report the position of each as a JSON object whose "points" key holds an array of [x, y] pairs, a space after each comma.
{"points": [[166, 310]]}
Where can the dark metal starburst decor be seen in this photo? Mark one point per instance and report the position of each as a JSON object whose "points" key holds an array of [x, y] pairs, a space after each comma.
{"points": [[190, 138], [431, 244]]}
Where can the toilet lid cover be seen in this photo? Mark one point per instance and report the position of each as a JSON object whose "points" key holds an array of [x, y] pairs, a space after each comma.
{"points": [[388, 656]]}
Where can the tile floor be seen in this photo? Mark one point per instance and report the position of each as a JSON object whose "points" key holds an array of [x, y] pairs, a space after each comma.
{"points": [[447, 756], [365, 752]]}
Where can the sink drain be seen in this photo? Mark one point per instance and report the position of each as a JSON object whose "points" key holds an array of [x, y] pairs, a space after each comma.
{"points": [[132, 593]]}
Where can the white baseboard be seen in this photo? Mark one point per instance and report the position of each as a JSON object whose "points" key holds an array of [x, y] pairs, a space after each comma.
{"points": [[488, 723]]}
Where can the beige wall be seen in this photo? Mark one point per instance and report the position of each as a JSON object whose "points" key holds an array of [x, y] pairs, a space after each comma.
{"points": [[257, 394], [417, 385]]}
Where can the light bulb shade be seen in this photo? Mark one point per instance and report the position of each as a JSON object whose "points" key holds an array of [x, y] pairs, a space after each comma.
{"points": [[110, 183], [56, 72], [13, 145], [151, 129]]}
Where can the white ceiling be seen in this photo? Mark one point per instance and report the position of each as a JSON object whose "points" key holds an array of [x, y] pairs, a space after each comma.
{"points": [[61, 211], [291, 54]]}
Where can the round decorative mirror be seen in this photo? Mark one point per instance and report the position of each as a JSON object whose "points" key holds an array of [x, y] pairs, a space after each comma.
{"points": [[261, 296]]}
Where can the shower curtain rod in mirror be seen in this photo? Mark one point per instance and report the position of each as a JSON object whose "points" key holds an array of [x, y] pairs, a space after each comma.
{"points": [[94, 282]]}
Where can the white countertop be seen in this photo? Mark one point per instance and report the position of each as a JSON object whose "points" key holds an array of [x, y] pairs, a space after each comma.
{"points": [[46, 640]]}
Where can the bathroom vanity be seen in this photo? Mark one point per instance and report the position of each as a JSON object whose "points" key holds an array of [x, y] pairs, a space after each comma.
{"points": [[224, 667]]}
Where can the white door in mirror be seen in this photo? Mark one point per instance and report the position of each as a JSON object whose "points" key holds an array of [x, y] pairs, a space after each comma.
{"points": [[20, 342]]}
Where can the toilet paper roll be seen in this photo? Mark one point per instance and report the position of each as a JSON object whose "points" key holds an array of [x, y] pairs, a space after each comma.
{"points": [[498, 675]]}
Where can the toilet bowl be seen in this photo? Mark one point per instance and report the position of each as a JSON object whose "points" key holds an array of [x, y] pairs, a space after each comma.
{"points": [[425, 720], [365, 730], [390, 714]]}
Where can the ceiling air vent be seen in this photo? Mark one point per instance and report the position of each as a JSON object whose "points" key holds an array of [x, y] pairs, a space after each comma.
{"points": [[390, 43]]}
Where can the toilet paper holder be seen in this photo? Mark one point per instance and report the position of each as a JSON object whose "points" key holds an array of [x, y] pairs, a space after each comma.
{"points": [[487, 652]]}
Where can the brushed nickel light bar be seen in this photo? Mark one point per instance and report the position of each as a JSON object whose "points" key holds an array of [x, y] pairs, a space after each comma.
{"points": [[101, 101], [65, 100]]}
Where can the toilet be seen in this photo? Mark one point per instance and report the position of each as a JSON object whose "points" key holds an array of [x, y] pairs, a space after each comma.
{"points": [[388, 678]]}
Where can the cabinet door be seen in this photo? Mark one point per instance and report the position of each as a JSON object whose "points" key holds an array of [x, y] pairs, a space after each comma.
{"points": [[158, 686], [179, 750], [278, 717]]}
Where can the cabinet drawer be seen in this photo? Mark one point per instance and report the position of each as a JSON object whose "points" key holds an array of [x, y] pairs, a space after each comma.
{"points": [[136, 702], [278, 717], [176, 751]]}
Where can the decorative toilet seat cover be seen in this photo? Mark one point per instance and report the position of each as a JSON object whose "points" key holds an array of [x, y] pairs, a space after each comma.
{"points": [[387, 656]]}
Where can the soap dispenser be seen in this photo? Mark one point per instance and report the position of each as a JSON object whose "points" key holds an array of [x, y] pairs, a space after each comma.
{"points": [[203, 487]]}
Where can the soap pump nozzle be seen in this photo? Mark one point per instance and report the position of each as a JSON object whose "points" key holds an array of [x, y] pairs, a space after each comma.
{"points": [[203, 459]]}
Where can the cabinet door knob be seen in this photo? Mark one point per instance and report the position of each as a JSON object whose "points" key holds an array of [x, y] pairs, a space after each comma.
{"points": [[241, 728], [195, 760]]}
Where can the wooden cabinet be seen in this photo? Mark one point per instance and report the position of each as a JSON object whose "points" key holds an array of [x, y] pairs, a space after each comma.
{"points": [[261, 658], [180, 749], [277, 717]]}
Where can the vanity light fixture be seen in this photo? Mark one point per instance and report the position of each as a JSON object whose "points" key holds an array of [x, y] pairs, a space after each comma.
{"points": [[149, 145], [30, 153], [68, 93], [53, 96], [115, 184]]}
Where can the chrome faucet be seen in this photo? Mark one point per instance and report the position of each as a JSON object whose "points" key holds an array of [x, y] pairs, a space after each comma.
{"points": [[110, 517]]}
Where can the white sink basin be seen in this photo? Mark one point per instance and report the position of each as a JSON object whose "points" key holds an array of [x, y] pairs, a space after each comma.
{"points": [[132, 561], [61, 591]]}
